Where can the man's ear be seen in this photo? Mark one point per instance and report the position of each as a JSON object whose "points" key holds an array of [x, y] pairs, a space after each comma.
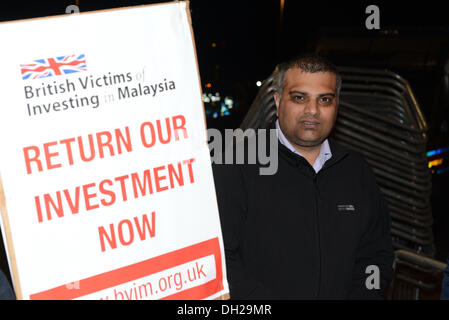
{"points": [[277, 101]]}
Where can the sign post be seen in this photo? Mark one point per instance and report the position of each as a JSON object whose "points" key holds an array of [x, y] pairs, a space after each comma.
{"points": [[107, 189]]}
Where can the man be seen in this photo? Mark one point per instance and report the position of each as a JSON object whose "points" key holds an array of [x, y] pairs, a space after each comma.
{"points": [[319, 227]]}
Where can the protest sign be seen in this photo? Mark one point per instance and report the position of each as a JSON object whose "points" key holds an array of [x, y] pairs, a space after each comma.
{"points": [[106, 182]]}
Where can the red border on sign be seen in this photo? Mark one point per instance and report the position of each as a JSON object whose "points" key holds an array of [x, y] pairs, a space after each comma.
{"points": [[145, 268]]}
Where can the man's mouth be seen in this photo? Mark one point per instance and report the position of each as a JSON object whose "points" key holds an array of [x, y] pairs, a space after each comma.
{"points": [[311, 124]]}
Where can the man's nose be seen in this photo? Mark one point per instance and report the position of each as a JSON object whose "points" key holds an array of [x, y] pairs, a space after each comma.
{"points": [[312, 108]]}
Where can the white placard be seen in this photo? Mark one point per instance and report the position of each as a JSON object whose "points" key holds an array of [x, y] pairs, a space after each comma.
{"points": [[104, 158]]}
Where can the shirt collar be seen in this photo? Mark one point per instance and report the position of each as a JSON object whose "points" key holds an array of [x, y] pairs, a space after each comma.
{"points": [[325, 151]]}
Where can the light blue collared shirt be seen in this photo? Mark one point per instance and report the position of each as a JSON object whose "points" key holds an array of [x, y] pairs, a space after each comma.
{"points": [[325, 150]]}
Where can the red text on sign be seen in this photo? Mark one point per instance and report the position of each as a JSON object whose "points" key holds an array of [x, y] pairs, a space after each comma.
{"points": [[55, 154], [105, 193], [126, 230]]}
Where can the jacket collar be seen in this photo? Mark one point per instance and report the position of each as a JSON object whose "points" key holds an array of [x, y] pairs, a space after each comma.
{"points": [[338, 152]]}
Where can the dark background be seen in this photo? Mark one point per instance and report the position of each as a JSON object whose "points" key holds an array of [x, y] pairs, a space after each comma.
{"points": [[240, 42]]}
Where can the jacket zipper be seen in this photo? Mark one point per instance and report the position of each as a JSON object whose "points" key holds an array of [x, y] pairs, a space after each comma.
{"points": [[316, 194]]}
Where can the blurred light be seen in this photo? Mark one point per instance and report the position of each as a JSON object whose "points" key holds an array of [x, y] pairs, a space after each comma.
{"points": [[206, 98], [215, 98], [435, 162], [217, 106], [224, 111], [229, 102], [282, 7], [208, 85], [214, 44], [437, 151], [258, 83], [442, 170]]}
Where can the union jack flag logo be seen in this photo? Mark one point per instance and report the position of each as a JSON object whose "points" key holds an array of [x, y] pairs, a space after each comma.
{"points": [[43, 68]]}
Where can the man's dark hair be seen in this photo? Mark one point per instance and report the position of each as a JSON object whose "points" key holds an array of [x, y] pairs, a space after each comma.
{"points": [[310, 63]]}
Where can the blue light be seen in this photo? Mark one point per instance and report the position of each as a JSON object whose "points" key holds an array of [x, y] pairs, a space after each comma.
{"points": [[442, 170], [437, 151]]}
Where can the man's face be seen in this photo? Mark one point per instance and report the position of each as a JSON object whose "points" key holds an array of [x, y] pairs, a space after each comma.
{"points": [[308, 107]]}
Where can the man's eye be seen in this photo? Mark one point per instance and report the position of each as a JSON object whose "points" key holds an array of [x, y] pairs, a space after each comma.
{"points": [[325, 100], [299, 98]]}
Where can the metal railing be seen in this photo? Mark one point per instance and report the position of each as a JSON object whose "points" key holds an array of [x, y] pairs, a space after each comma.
{"points": [[416, 277]]}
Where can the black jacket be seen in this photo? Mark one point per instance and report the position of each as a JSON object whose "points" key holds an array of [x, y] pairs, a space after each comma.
{"points": [[301, 235]]}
